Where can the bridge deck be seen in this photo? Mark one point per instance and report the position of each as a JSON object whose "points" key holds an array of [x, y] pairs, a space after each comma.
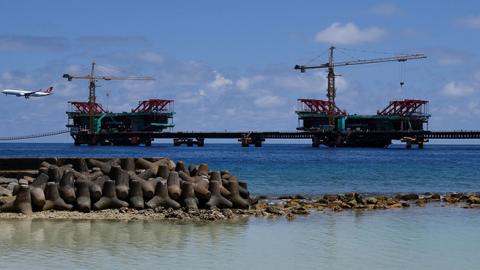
{"points": [[301, 135]]}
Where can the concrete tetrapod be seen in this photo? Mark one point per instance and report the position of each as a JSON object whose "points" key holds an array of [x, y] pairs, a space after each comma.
{"points": [[242, 187], [217, 200], [216, 176], [128, 164], [173, 184], [136, 195], [109, 199], [96, 188], [21, 204], [54, 201], [84, 204], [148, 186], [105, 167], [200, 188], [163, 171], [67, 188], [122, 182], [180, 167], [188, 196], [202, 169], [237, 200], [36, 190], [161, 198]]}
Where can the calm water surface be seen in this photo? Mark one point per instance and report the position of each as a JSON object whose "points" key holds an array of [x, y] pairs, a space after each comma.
{"points": [[416, 238]]}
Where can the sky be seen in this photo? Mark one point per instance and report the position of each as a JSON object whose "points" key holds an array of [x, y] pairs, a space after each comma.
{"points": [[229, 64]]}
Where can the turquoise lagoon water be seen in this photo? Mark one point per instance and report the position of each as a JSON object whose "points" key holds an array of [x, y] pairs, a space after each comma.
{"points": [[432, 237], [416, 238]]}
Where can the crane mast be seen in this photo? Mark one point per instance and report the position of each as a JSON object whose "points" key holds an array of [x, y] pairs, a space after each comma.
{"points": [[92, 98], [331, 90]]}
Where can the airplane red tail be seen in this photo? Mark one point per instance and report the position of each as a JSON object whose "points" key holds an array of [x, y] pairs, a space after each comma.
{"points": [[49, 90]]}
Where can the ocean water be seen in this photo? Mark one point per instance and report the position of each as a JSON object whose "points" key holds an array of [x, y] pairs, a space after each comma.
{"points": [[432, 237], [279, 169], [415, 238]]}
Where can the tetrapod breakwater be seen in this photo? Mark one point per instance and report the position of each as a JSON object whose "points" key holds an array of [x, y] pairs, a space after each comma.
{"points": [[90, 184]]}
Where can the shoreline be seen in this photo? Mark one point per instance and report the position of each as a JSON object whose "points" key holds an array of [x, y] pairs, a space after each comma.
{"points": [[288, 207]]}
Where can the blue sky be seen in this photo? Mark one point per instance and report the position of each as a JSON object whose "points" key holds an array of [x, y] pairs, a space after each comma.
{"points": [[228, 64]]}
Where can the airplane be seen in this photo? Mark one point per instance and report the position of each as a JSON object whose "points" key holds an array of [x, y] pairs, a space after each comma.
{"points": [[28, 94]]}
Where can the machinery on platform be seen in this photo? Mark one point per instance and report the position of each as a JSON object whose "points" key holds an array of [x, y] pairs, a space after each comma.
{"points": [[325, 115], [88, 120]]}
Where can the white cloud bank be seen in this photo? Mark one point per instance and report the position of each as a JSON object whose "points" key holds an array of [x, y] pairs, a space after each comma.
{"points": [[349, 33], [472, 22]]}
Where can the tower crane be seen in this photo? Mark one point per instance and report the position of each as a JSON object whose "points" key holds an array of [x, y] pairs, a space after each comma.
{"points": [[92, 98], [331, 90]]}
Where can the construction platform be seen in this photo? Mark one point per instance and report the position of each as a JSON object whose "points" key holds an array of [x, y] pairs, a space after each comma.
{"points": [[153, 115]]}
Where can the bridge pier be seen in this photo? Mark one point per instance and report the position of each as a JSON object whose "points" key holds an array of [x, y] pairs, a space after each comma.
{"points": [[246, 141], [409, 141], [316, 142], [200, 142]]}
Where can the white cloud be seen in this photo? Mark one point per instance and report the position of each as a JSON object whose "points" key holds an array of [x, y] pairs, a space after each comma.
{"points": [[246, 82], [458, 89], [219, 82], [269, 101], [151, 57], [472, 22], [386, 10], [349, 33]]}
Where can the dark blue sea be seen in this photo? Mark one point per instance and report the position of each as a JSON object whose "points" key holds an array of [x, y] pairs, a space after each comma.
{"points": [[279, 169]]}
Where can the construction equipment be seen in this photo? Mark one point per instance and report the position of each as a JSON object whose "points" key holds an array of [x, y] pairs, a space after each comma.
{"points": [[331, 90], [92, 105]]}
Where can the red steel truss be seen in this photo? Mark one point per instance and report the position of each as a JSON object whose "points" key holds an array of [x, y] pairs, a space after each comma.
{"points": [[406, 107], [154, 105], [83, 107], [317, 106]]}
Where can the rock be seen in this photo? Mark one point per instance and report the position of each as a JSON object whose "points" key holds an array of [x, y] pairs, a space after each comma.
{"points": [[352, 203], [473, 200], [435, 197], [370, 200], [299, 211], [275, 210], [405, 204], [408, 196], [330, 197], [421, 202]]}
